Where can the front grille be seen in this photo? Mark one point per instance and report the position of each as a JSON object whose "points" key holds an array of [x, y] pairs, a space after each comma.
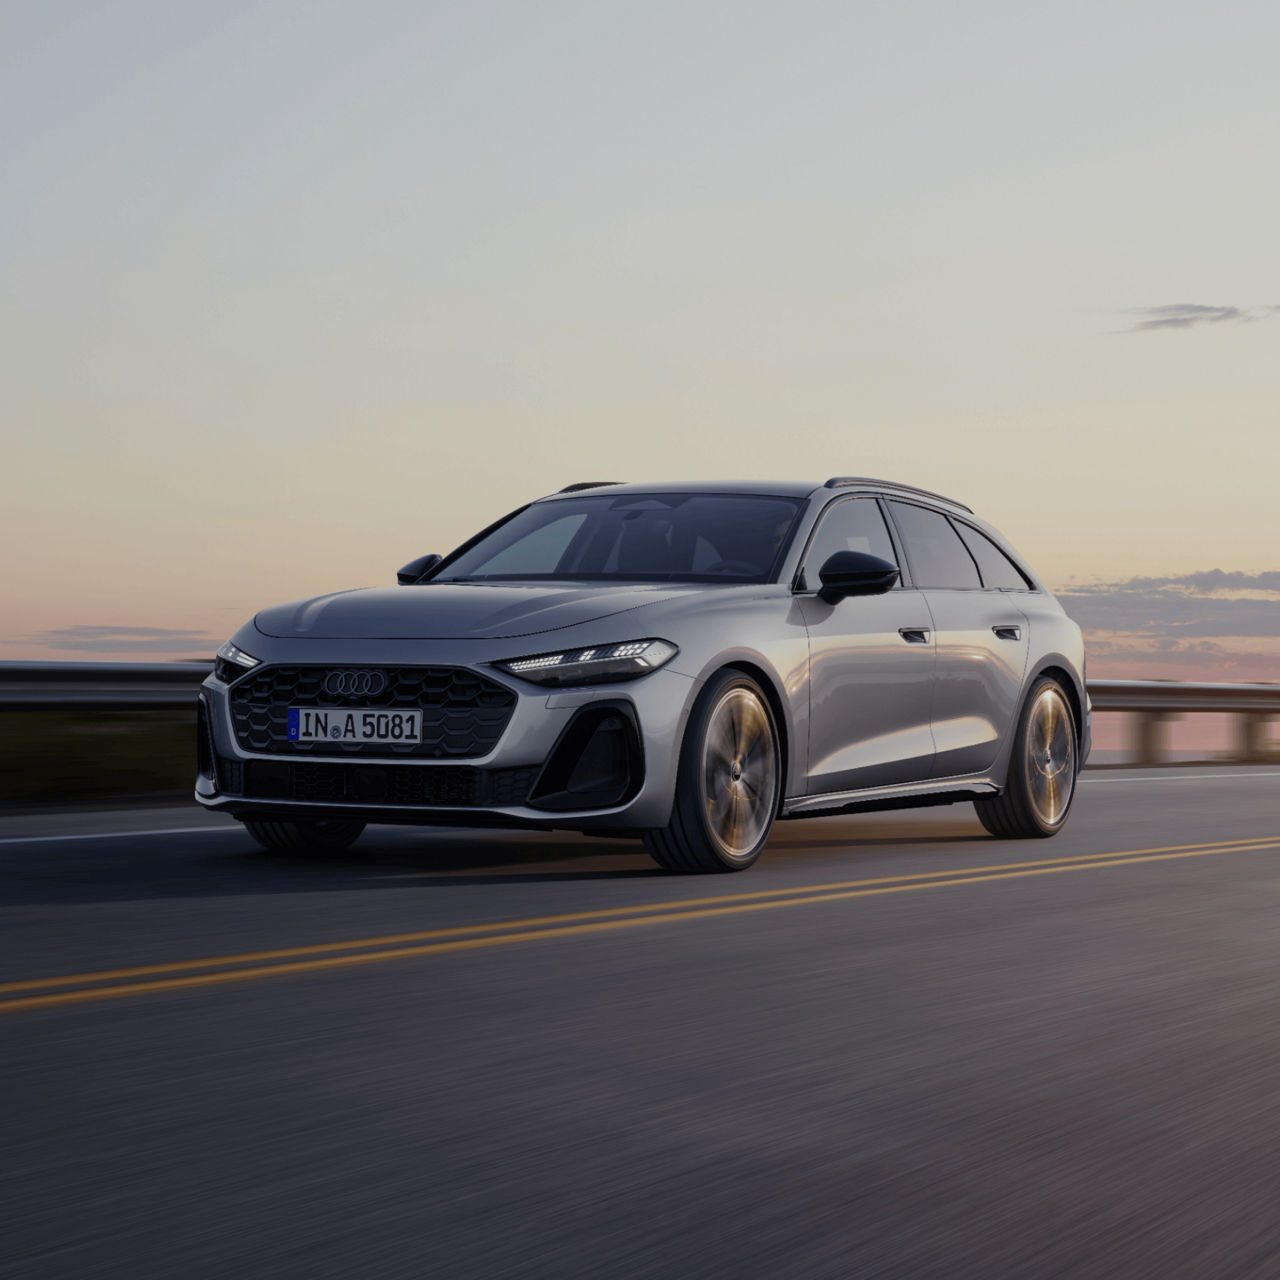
{"points": [[464, 713], [334, 782]]}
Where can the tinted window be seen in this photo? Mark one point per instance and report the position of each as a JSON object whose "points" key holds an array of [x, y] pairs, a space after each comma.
{"points": [[854, 524], [997, 570], [937, 556], [543, 546], [708, 537]]}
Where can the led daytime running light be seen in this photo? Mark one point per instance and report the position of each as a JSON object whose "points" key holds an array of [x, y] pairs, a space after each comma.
{"points": [[624, 661], [234, 654]]}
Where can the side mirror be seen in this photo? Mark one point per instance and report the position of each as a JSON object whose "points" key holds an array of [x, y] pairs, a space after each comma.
{"points": [[854, 573], [416, 569]]}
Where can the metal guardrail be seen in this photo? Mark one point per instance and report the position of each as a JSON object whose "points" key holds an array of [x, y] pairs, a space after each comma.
{"points": [[100, 686], [1153, 704], [157, 686], [1178, 697]]}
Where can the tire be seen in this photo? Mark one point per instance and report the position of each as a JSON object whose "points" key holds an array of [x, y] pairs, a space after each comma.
{"points": [[1044, 766], [306, 837], [728, 782]]}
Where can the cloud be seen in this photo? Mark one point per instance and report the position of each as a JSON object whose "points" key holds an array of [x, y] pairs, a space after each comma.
{"points": [[1203, 583], [1164, 652], [1118, 657], [1187, 315], [1191, 605], [95, 639]]}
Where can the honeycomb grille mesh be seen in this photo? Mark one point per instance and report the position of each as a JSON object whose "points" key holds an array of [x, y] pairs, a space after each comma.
{"points": [[464, 713]]}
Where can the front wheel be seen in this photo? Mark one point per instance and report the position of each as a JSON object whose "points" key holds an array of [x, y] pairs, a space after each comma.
{"points": [[728, 782], [306, 837], [1041, 784]]}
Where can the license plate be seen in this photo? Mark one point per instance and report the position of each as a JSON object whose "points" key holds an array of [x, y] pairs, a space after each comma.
{"points": [[353, 724]]}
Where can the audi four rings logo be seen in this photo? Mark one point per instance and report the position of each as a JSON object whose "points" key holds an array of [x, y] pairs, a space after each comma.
{"points": [[352, 684]]}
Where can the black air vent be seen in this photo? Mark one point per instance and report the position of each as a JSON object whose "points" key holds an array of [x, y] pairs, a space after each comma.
{"points": [[333, 782]]}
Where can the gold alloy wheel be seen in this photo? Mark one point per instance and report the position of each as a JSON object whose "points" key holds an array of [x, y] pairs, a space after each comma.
{"points": [[739, 772], [1051, 756]]}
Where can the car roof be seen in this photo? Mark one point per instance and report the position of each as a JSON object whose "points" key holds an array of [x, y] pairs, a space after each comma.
{"points": [[771, 488]]}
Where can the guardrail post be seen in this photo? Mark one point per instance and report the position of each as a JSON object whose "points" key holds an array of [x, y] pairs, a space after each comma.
{"points": [[1249, 737], [1149, 735]]}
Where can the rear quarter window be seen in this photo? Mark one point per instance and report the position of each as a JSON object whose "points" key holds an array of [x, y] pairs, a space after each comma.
{"points": [[999, 573]]}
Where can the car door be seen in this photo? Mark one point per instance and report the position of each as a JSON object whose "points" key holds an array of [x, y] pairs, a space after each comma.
{"points": [[871, 664], [981, 637]]}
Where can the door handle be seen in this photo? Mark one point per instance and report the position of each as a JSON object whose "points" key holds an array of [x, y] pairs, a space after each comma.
{"points": [[914, 635], [1008, 632]]}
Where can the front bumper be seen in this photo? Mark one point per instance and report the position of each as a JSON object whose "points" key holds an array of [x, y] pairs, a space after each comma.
{"points": [[527, 779]]}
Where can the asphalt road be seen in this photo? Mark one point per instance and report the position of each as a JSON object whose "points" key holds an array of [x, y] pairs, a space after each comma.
{"points": [[894, 1048]]}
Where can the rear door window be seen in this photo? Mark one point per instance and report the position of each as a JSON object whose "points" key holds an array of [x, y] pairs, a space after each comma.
{"points": [[934, 551]]}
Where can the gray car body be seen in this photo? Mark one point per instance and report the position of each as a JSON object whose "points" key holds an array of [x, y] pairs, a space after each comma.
{"points": [[867, 720]]}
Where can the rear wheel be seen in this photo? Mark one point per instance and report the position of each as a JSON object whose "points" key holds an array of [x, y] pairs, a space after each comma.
{"points": [[306, 837], [1041, 784], [728, 783]]}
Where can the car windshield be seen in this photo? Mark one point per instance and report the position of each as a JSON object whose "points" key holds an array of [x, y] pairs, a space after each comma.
{"points": [[656, 537]]}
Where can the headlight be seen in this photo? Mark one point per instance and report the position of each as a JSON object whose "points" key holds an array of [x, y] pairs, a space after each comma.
{"points": [[232, 663], [595, 665]]}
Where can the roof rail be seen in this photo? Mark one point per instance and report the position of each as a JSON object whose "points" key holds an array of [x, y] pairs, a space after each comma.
{"points": [[839, 482], [588, 484]]}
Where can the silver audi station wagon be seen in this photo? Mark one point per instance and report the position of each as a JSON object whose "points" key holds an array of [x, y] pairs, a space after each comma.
{"points": [[682, 663]]}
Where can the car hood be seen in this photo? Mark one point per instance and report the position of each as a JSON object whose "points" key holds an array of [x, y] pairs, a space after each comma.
{"points": [[444, 611]]}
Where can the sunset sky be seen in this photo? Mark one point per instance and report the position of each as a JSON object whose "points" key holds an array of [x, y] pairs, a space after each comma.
{"points": [[294, 292]]}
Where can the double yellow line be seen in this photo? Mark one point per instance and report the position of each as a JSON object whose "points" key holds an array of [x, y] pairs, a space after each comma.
{"points": [[115, 984]]}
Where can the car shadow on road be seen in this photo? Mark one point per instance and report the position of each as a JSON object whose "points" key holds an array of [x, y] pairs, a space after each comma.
{"points": [[133, 868], [432, 860], [162, 867], [865, 846], [445, 857]]}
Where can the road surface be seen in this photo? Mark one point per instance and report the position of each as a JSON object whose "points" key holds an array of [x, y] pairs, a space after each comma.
{"points": [[894, 1048]]}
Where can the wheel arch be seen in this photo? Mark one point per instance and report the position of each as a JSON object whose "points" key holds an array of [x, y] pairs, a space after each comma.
{"points": [[777, 705], [1059, 670]]}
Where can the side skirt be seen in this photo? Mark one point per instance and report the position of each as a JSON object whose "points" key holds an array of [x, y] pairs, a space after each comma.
{"points": [[911, 795]]}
